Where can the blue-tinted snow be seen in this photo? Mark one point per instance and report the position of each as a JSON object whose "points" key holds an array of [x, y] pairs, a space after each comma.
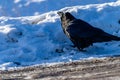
{"points": [[31, 40]]}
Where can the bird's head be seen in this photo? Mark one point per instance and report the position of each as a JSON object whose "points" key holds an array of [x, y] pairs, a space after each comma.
{"points": [[66, 15], [60, 13]]}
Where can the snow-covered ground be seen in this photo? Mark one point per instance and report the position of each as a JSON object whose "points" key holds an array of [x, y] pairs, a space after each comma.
{"points": [[31, 33]]}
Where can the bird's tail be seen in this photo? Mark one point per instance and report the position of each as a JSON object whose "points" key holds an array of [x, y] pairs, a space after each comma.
{"points": [[111, 37], [115, 38], [106, 37]]}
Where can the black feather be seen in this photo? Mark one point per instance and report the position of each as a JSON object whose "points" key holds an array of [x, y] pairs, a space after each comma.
{"points": [[81, 33]]}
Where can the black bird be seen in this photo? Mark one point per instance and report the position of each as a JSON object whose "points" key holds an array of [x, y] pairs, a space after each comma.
{"points": [[81, 33]]}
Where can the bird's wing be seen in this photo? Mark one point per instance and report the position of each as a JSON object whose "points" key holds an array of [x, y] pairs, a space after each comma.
{"points": [[80, 29]]}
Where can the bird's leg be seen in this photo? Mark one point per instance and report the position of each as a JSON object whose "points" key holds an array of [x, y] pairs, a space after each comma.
{"points": [[84, 43], [80, 46]]}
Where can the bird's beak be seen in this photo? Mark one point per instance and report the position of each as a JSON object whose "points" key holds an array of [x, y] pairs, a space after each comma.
{"points": [[60, 13]]}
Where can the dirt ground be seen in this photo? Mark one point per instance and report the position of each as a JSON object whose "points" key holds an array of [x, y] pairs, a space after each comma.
{"points": [[93, 69]]}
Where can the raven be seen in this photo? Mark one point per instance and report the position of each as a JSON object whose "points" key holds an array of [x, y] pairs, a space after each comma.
{"points": [[81, 33]]}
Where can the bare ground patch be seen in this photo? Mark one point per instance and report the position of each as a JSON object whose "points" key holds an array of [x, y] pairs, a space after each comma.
{"points": [[94, 69]]}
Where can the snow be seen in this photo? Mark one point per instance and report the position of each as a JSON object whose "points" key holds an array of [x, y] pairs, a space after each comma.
{"points": [[31, 33]]}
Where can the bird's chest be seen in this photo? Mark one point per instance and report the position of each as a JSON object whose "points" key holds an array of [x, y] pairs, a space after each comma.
{"points": [[67, 33]]}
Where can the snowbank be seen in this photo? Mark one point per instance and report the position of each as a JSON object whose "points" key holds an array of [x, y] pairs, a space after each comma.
{"points": [[39, 39]]}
